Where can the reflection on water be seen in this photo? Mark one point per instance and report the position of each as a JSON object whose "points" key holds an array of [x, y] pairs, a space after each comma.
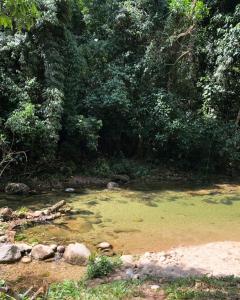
{"points": [[139, 218]]}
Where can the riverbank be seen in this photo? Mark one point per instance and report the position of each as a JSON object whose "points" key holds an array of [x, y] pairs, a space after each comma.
{"points": [[208, 271]]}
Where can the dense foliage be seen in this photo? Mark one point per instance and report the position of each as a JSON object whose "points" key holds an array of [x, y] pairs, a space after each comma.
{"points": [[149, 79]]}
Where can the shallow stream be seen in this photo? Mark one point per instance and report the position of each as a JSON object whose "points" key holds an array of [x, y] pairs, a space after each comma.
{"points": [[139, 218]]}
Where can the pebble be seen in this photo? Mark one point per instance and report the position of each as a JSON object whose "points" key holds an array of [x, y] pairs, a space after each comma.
{"points": [[155, 287], [26, 259]]}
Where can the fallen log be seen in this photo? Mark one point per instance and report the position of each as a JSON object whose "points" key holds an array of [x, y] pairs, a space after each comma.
{"points": [[31, 218], [56, 206]]}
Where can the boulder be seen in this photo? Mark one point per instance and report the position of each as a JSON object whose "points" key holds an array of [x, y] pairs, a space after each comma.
{"points": [[127, 260], [41, 252], [17, 189], [53, 247], [24, 248], [112, 185], [6, 213], [76, 254], [9, 253]]}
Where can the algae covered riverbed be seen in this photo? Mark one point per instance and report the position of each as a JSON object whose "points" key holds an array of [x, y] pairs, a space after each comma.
{"points": [[141, 217]]}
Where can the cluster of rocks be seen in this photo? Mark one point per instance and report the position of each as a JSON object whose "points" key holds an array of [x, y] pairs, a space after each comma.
{"points": [[13, 219], [75, 254]]}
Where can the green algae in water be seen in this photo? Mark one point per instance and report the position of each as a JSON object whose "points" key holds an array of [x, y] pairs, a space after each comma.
{"points": [[179, 216]]}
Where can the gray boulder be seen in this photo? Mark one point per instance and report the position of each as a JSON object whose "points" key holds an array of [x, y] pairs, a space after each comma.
{"points": [[112, 185], [24, 248], [9, 253], [41, 252], [76, 254], [17, 189]]}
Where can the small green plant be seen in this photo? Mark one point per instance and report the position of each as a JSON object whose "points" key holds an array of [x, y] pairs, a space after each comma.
{"points": [[22, 211], [100, 266], [20, 237]]}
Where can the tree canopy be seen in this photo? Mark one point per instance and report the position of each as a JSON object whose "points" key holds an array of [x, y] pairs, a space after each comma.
{"points": [[149, 79]]}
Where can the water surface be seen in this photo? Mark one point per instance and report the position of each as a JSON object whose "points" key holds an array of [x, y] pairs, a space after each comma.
{"points": [[143, 217]]}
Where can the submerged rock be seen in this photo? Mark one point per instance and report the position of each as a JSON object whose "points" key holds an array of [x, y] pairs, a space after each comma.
{"points": [[104, 246], [17, 189], [42, 252], [112, 185], [9, 253], [76, 254], [69, 190]]}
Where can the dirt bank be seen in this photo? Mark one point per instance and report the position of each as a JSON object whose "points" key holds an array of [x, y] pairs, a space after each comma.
{"points": [[213, 259]]}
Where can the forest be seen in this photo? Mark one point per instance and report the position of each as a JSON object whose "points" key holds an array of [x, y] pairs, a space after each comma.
{"points": [[119, 149], [101, 80]]}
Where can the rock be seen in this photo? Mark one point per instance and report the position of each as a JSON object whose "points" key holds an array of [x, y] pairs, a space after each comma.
{"points": [[127, 260], [42, 252], [53, 247], [154, 287], [60, 249], [9, 253], [11, 235], [76, 254], [3, 239], [130, 273], [17, 189], [121, 178], [37, 214], [104, 245], [69, 190], [112, 185], [26, 259], [6, 213], [24, 248]]}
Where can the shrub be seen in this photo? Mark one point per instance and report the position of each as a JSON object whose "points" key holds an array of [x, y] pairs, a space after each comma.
{"points": [[100, 266]]}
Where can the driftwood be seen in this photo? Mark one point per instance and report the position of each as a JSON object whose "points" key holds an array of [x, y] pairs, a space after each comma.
{"points": [[57, 206], [14, 220]]}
